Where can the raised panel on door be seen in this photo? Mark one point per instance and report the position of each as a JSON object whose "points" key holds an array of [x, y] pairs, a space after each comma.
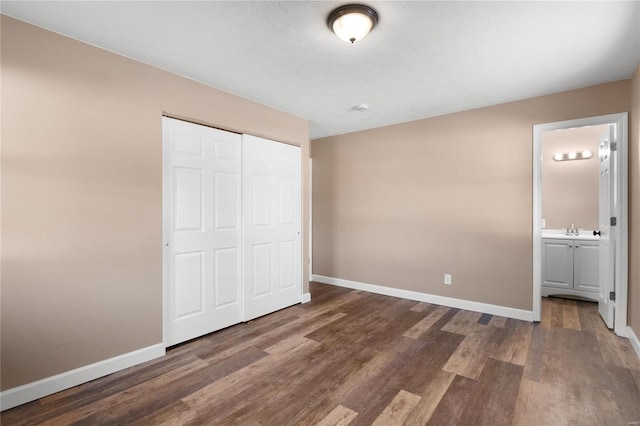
{"points": [[288, 265], [272, 225], [261, 200], [586, 269], [287, 208], [187, 189], [227, 290], [227, 201], [557, 267], [188, 297], [202, 207], [261, 271], [188, 144]]}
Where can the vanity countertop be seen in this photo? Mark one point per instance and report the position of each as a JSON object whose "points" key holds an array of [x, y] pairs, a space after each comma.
{"points": [[561, 235]]}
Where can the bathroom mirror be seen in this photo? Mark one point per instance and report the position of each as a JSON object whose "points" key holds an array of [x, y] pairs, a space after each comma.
{"points": [[570, 186]]}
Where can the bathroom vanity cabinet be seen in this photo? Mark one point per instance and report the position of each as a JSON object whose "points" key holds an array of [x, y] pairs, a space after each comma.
{"points": [[570, 267]]}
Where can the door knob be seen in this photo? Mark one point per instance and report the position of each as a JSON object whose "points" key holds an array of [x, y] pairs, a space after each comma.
{"points": [[596, 233]]}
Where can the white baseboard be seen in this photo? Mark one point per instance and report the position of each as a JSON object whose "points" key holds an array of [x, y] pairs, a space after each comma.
{"points": [[306, 297], [50, 385], [635, 342], [468, 305]]}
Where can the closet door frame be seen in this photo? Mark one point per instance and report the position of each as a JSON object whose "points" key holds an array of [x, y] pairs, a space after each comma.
{"points": [[167, 212]]}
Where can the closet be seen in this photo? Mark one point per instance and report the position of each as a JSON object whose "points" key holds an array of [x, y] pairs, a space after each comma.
{"points": [[232, 228]]}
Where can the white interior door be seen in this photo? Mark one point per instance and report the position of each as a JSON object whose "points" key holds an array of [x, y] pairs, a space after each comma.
{"points": [[202, 178], [272, 226], [606, 211]]}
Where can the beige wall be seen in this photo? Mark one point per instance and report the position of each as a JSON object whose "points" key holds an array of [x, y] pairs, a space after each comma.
{"points": [[82, 196], [570, 188], [401, 205], [634, 211]]}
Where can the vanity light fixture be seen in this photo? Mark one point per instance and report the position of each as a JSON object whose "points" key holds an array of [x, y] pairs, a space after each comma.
{"points": [[352, 22], [584, 155]]}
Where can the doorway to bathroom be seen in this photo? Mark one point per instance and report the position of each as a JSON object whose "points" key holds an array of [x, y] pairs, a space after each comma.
{"points": [[584, 219]]}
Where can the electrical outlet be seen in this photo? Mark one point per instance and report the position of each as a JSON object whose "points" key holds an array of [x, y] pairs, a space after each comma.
{"points": [[447, 279]]}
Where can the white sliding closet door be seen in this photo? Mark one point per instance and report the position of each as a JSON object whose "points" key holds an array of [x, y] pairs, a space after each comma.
{"points": [[272, 227], [202, 209]]}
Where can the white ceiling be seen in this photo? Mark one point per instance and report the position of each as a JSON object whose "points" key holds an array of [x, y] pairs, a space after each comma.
{"points": [[424, 58]]}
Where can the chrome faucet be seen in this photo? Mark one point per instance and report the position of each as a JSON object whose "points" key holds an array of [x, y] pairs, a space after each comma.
{"points": [[573, 231]]}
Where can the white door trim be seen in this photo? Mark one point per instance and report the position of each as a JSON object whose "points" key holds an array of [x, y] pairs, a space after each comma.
{"points": [[621, 230], [310, 260], [166, 231]]}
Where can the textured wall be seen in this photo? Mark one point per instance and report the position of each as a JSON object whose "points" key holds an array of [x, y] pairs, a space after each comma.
{"points": [[401, 205], [82, 196]]}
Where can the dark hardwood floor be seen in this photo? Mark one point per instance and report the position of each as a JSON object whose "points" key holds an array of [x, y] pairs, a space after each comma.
{"points": [[351, 357]]}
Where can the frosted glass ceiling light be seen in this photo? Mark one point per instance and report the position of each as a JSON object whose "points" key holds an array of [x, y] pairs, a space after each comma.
{"points": [[584, 155], [352, 22]]}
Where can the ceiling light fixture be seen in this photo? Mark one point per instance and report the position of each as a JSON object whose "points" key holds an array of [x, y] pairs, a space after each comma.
{"points": [[584, 155], [352, 22]]}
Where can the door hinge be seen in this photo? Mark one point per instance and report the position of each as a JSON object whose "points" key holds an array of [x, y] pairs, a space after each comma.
{"points": [[614, 146], [612, 295], [613, 221]]}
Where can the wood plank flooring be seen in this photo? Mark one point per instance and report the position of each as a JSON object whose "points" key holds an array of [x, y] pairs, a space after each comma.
{"points": [[354, 358]]}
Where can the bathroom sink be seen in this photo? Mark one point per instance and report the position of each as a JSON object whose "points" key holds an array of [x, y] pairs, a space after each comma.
{"points": [[561, 235]]}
